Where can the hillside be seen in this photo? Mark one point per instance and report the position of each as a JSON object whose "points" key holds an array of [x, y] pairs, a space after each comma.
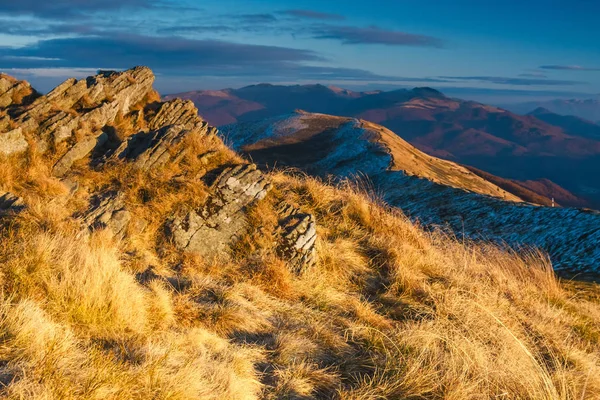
{"points": [[142, 258], [434, 191], [570, 123], [588, 109], [515, 147]]}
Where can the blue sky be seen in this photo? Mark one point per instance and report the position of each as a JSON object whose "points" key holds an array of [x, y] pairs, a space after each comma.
{"points": [[504, 50]]}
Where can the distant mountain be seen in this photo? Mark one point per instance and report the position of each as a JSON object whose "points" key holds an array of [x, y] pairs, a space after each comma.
{"points": [[587, 109], [434, 191], [264, 100], [573, 125], [512, 146]]}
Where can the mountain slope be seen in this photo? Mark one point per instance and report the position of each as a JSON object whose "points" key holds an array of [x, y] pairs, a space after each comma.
{"points": [[434, 191], [570, 123], [512, 146], [588, 109]]}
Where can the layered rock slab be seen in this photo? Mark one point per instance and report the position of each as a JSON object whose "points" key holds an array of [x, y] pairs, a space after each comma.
{"points": [[211, 230]]}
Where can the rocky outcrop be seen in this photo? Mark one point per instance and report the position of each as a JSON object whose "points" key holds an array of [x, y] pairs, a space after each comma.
{"points": [[13, 91], [177, 112], [13, 142], [110, 212], [93, 103], [211, 230], [298, 236], [10, 204], [77, 152], [153, 149]]}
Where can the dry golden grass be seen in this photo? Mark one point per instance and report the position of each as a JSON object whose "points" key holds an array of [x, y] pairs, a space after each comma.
{"points": [[390, 311]]}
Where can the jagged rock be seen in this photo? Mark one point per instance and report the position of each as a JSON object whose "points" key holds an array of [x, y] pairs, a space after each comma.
{"points": [[153, 149], [77, 152], [105, 96], [176, 112], [10, 204], [13, 142], [11, 89], [298, 239], [211, 230], [110, 212]]}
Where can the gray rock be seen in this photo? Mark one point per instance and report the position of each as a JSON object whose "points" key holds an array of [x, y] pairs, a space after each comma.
{"points": [[211, 230], [13, 142], [10, 204], [77, 152], [110, 212], [153, 149], [106, 95], [9, 88], [298, 238], [176, 112]]}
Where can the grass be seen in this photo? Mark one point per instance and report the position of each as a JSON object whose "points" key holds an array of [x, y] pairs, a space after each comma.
{"points": [[390, 311]]}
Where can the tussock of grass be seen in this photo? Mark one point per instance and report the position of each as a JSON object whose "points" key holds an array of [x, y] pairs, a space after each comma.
{"points": [[389, 311]]}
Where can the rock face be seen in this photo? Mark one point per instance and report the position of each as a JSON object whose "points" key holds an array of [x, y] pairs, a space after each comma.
{"points": [[10, 204], [298, 238], [13, 142], [109, 212], [77, 152], [93, 102], [211, 230]]}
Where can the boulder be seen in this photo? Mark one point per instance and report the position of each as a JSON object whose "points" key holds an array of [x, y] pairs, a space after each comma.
{"points": [[77, 152], [211, 230], [13, 142], [298, 236], [109, 212]]}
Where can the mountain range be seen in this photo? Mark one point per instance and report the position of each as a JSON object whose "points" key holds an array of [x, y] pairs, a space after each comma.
{"points": [[588, 109], [559, 158]]}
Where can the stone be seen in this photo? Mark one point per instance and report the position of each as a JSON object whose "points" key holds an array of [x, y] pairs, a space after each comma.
{"points": [[149, 150], [176, 112], [211, 230], [56, 115], [10, 204], [78, 152], [298, 238], [13, 142], [110, 212]]}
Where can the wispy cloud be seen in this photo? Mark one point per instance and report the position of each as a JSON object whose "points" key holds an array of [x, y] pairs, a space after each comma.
{"points": [[499, 80], [533, 75], [69, 8], [569, 68], [375, 35], [310, 14], [157, 52], [256, 18]]}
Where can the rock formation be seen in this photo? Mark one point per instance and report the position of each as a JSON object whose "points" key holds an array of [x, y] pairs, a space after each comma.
{"points": [[82, 122], [210, 230], [298, 238]]}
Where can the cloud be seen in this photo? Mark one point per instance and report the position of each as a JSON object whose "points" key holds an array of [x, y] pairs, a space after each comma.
{"points": [[375, 35], [569, 68], [68, 8], [157, 52], [533, 75], [310, 14], [256, 18], [513, 81]]}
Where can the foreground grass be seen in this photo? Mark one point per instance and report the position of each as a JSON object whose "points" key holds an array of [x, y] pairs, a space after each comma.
{"points": [[389, 312]]}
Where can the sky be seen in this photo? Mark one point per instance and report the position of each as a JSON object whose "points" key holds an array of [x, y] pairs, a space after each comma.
{"points": [[485, 49]]}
